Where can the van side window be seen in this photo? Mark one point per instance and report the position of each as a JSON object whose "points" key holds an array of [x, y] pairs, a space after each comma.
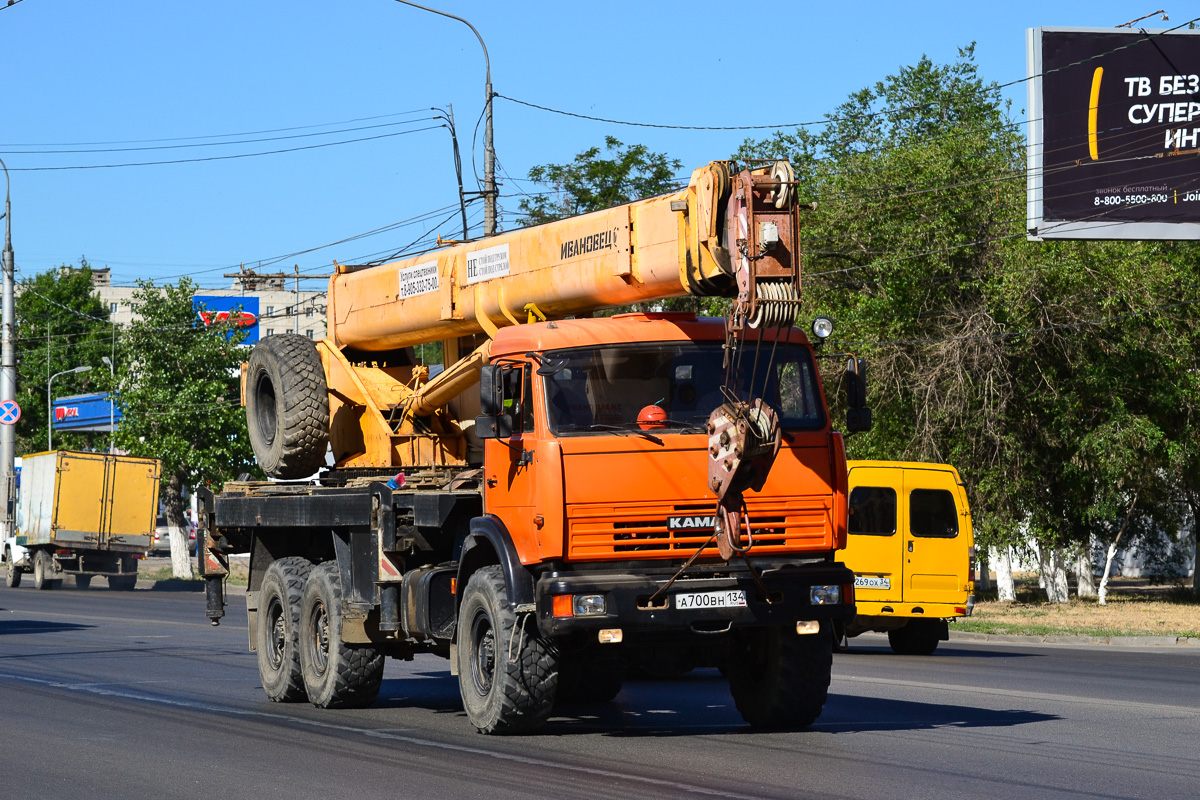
{"points": [[931, 513], [873, 510]]}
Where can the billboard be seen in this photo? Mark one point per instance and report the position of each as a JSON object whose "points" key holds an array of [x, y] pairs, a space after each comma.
{"points": [[89, 413], [1114, 134], [241, 311]]}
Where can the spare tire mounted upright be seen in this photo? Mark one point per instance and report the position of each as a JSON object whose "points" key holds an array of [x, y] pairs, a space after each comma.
{"points": [[287, 406]]}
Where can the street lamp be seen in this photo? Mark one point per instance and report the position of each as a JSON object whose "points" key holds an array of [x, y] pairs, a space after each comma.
{"points": [[50, 402], [489, 150], [112, 424]]}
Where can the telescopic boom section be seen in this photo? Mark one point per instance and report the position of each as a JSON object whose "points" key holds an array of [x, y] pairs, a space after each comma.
{"points": [[723, 235]]}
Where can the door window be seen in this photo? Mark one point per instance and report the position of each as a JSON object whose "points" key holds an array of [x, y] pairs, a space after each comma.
{"points": [[932, 513], [873, 510]]}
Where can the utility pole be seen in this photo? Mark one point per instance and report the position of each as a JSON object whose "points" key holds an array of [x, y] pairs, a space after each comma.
{"points": [[489, 150], [8, 369], [296, 306]]}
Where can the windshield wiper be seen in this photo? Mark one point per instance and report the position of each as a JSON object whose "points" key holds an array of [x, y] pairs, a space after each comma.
{"points": [[600, 426]]}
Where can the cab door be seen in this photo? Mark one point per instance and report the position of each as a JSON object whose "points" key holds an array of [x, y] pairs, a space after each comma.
{"points": [[937, 535], [874, 544]]}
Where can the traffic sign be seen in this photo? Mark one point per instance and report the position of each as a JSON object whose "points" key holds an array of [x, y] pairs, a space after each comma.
{"points": [[10, 412]]}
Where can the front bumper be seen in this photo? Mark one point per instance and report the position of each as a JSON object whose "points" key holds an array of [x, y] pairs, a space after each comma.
{"points": [[627, 596]]}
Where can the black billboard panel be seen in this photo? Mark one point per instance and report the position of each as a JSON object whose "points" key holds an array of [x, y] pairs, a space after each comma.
{"points": [[1114, 134]]}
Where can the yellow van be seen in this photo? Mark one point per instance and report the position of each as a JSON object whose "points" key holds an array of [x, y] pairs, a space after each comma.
{"points": [[912, 551]]}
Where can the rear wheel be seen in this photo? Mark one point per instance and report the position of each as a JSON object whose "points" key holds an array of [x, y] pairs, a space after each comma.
{"points": [[12, 575], [277, 637], [83, 581], [43, 571], [780, 679], [507, 674], [336, 674], [287, 406], [122, 583], [919, 637]]}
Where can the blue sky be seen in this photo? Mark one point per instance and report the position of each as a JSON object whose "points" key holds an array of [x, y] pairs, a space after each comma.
{"points": [[189, 78]]}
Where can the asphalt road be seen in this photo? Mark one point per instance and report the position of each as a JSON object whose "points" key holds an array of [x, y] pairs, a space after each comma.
{"points": [[134, 695]]}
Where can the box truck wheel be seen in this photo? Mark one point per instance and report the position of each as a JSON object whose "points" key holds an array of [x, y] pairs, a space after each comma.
{"points": [[277, 635], [507, 674], [287, 406], [43, 570], [12, 575], [780, 679], [336, 674], [122, 583], [83, 581]]}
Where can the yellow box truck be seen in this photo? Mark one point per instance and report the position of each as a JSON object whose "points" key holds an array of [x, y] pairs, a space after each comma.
{"points": [[912, 550], [82, 514]]}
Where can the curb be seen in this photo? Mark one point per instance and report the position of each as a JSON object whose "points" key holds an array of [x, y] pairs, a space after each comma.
{"points": [[1079, 640]]}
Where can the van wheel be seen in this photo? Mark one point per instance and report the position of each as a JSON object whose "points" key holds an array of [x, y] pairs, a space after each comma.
{"points": [[277, 637], [587, 681], [12, 575], [919, 637], [287, 406], [336, 674], [507, 674], [780, 679], [43, 569]]}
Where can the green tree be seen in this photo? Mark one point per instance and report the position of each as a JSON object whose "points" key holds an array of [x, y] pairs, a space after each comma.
{"points": [[178, 393], [1056, 376], [592, 183], [61, 324]]}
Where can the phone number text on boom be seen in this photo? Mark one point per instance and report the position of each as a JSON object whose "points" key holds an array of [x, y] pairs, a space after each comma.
{"points": [[1132, 199]]}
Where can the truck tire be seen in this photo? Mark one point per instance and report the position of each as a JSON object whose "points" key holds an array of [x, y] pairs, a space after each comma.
{"points": [[43, 569], [287, 406], [780, 679], [12, 574], [587, 682], [507, 674], [336, 674], [277, 635], [83, 581], [917, 638], [122, 583]]}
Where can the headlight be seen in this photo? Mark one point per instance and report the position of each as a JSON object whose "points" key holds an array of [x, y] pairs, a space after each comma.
{"points": [[590, 605], [822, 328], [825, 595]]}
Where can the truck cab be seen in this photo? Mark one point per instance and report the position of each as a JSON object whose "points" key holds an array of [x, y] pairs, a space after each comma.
{"points": [[911, 547]]}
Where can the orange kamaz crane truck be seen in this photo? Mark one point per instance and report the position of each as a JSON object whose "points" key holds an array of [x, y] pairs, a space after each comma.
{"points": [[571, 495]]}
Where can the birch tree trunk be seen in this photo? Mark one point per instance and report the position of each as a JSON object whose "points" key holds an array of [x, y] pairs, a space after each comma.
{"points": [[983, 579], [181, 563], [1050, 565], [1085, 582], [1058, 574], [1006, 592], [1102, 593]]}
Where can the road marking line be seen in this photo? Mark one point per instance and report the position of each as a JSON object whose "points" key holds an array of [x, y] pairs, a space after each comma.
{"points": [[375, 734]]}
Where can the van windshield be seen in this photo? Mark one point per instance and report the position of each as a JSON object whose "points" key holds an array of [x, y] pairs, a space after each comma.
{"points": [[604, 389]]}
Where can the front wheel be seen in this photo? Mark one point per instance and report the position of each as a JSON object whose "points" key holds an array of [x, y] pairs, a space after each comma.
{"points": [[779, 678], [336, 674], [12, 575], [507, 674]]}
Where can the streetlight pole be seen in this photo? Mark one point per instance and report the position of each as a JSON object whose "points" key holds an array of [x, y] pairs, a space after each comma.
{"points": [[8, 367], [50, 402], [489, 150], [112, 422]]}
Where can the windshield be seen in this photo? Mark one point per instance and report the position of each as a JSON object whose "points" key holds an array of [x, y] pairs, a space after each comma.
{"points": [[606, 388]]}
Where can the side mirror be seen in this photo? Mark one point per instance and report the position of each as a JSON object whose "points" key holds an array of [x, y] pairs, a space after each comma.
{"points": [[493, 423], [858, 416]]}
